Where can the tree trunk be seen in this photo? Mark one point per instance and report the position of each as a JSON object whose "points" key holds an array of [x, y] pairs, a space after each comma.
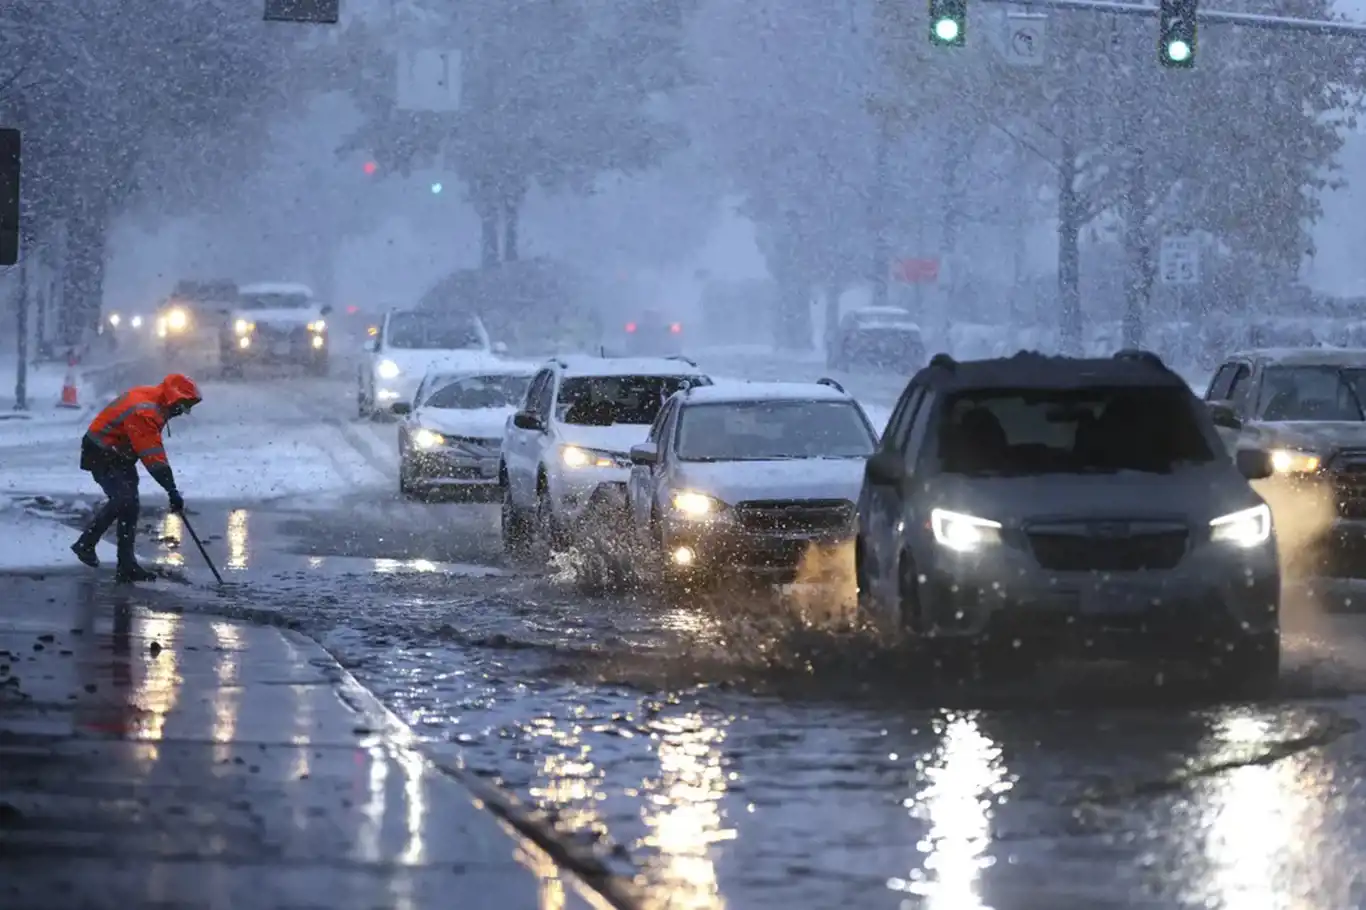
{"points": [[83, 287], [879, 267], [1069, 250], [512, 210], [1138, 269], [794, 309]]}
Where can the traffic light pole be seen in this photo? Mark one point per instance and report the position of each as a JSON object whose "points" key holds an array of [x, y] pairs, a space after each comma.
{"points": [[1321, 27]]}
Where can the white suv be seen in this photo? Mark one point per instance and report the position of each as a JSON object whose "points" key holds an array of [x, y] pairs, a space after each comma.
{"points": [[414, 343], [567, 451]]}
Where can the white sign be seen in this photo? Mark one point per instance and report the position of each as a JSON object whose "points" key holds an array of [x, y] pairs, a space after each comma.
{"points": [[429, 80], [1026, 38], [1179, 260]]}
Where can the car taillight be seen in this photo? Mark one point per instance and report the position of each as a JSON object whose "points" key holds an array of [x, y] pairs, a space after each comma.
{"points": [[630, 327], [676, 328]]}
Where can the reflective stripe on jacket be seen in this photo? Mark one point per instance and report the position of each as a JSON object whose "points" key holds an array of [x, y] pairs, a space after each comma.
{"points": [[131, 427]]}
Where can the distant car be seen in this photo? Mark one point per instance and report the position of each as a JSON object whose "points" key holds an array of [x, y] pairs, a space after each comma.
{"points": [[1307, 407], [652, 335], [409, 344], [276, 323], [746, 477], [1031, 507], [189, 322], [453, 435], [883, 338], [566, 451]]}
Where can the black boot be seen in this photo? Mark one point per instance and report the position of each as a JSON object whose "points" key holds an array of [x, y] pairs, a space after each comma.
{"points": [[85, 552], [129, 571]]}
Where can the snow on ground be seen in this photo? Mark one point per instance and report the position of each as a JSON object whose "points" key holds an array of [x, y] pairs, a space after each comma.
{"points": [[35, 543]]}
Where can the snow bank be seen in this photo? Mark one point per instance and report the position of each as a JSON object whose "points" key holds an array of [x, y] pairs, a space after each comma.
{"points": [[31, 543]]}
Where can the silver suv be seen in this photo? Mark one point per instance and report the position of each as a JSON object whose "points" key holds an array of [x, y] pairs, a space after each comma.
{"points": [[1034, 506]]}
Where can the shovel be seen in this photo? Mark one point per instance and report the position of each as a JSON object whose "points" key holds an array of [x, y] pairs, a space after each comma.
{"points": [[185, 520]]}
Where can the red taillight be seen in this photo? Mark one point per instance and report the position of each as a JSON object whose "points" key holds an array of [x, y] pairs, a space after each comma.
{"points": [[630, 327], [352, 310], [676, 328]]}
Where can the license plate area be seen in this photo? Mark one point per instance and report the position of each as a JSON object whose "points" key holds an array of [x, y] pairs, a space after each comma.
{"points": [[488, 468], [281, 348]]}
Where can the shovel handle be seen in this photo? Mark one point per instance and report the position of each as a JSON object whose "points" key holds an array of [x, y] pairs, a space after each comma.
{"points": [[184, 519]]}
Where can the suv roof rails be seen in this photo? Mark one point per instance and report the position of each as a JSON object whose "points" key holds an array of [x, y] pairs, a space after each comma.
{"points": [[688, 360], [1147, 357], [945, 361], [827, 381]]}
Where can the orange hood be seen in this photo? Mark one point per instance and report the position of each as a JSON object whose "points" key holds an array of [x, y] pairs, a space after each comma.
{"points": [[179, 389]]}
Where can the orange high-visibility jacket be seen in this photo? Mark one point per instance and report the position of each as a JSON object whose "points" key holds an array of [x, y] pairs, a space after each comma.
{"points": [[131, 426]]}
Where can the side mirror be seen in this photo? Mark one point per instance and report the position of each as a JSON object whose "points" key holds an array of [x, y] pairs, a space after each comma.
{"points": [[525, 420], [401, 408], [885, 469], [646, 453], [1254, 464], [326, 310], [500, 347], [1224, 415]]}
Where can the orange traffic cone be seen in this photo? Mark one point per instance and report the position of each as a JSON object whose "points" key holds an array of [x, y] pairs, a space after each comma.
{"points": [[70, 398]]}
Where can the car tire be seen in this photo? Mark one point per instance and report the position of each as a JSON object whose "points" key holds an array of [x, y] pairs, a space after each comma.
{"points": [[1251, 666], [516, 529], [319, 366], [364, 409], [548, 531], [908, 612], [231, 369]]}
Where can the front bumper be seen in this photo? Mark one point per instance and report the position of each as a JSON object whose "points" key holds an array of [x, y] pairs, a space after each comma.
{"points": [[579, 492], [1213, 593], [452, 467], [722, 546], [294, 346]]}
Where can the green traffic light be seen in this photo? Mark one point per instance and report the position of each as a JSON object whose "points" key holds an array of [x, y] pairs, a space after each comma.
{"points": [[947, 30], [1178, 51]]}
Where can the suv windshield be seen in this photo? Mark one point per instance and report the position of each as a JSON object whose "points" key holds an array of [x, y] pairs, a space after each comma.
{"points": [[773, 430], [474, 392], [600, 401], [1312, 393], [1073, 431], [431, 332], [275, 302]]}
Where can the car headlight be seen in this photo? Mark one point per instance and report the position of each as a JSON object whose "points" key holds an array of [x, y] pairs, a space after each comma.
{"points": [[1292, 461], [115, 319], [137, 322], [427, 439], [963, 533], [387, 369], [1246, 528], [696, 505], [318, 326], [242, 327], [575, 457], [177, 320]]}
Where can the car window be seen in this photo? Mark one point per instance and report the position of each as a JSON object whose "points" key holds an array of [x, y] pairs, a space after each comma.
{"points": [[773, 431], [1311, 393], [603, 401], [1242, 382], [434, 332], [476, 392], [274, 302], [1021, 432], [545, 395], [920, 427], [534, 392], [898, 427], [1221, 383], [656, 429]]}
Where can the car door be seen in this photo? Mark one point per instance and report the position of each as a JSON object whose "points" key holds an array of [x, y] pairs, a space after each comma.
{"points": [[644, 480], [880, 504], [521, 448], [1231, 384]]}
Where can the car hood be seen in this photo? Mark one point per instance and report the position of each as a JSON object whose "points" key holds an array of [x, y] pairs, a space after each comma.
{"points": [[418, 363], [474, 423], [803, 478], [1323, 437], [290, 316], [617, 438], [1195, 495]]}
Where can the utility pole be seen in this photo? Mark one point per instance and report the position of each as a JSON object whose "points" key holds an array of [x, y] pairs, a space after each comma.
{"points": [[882, 252], [21, 370]]}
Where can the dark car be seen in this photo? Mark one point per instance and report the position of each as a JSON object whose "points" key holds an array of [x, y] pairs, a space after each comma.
{"points": [[652, 335], [1031, 507], [880, 338], [1307, 407]]}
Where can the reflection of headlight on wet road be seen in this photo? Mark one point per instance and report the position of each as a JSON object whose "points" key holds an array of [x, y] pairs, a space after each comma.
{"points": [[695, 505], [1290, 461], [1247, 528], [387, 369], [963, 533], [426, 439]]}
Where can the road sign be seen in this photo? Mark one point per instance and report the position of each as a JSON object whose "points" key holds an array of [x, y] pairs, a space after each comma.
{"points": [[1026, 39], [1179, 260], [429, 80], [916, 271]]}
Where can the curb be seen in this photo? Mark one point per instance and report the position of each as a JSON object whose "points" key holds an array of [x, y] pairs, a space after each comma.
{"points": [[589, 875]]}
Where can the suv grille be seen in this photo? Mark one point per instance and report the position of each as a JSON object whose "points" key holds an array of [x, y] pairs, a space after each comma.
{"points": [[1129, 553], [781, 515], [1349, 483]]}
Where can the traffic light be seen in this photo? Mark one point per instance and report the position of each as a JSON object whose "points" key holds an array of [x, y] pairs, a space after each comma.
{"points": [[370, 167], [1176, 33], [9, 197], [948, 22]]}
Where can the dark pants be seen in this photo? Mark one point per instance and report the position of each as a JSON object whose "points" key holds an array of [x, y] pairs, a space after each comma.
{"points": [[119, 480]]}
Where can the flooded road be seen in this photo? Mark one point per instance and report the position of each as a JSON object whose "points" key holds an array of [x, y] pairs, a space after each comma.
{"points": [[731, 762]]}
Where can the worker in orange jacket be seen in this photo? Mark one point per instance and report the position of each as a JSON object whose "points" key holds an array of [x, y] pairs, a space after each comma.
{"points": [[124, 433]]}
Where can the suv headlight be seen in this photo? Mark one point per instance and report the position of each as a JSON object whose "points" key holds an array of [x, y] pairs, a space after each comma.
{"points": [[242, 327], [963, 533], [1293, 461], [318, 326], [428, 439], [696, 505], [1246, 528], [387, 369], [576, 457], [177, 320]]}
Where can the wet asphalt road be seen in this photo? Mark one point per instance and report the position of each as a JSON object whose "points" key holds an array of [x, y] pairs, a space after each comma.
{"points": [[732, 756]]}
